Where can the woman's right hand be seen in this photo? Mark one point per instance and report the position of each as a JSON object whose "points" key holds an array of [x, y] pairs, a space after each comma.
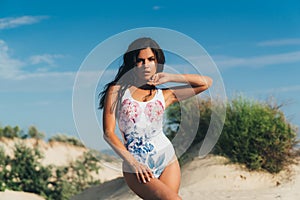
{"points": [[143, 173]]}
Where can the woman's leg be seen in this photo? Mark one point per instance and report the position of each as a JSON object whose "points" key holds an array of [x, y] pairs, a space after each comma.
{"points": [[155, 188], [171, 176]]}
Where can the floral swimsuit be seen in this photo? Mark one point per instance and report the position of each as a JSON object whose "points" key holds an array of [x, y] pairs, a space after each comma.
{"points": [[142, 126]]}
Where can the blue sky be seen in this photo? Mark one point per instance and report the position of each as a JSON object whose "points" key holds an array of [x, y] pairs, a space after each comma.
{"points": [[255, 44]]}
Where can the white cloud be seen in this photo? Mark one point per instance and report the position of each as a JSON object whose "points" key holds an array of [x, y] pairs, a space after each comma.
{"points": [[291, 88], [38, 81], [276, 91], [9, 67], [15, 77], [42, 75], [12, 68], [13, 22], [257, 61], [156, 7], [56, 81], [45, 58], [282, 42]]}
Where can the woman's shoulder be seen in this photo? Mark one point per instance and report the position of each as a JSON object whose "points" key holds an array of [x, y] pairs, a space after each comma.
{"points": [[169, 96], [114, 88], [166, 91]]}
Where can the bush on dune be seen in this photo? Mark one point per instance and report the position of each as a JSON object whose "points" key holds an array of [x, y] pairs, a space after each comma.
{"points": [[258, 135], [255, 133], [24, 172], [66, 139]]}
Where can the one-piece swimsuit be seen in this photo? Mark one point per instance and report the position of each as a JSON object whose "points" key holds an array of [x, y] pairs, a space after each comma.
{"points": [[141, 124]]}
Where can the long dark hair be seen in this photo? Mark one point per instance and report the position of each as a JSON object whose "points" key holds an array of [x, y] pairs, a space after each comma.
{"points": [[129, 62]]}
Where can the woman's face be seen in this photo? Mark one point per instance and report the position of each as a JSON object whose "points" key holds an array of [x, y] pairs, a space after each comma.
{"points": [[146, 65]]}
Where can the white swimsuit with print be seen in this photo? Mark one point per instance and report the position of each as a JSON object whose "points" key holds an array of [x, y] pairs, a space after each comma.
{"points": [[142, 126]]}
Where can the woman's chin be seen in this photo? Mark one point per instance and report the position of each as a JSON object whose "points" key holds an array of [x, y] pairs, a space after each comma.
{"points": [[145, 78]]}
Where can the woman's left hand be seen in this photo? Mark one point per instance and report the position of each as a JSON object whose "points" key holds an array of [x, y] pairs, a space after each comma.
{"points": [[159, 78]]}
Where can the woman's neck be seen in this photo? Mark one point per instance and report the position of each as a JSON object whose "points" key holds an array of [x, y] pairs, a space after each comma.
{"points": [[146, 87]]}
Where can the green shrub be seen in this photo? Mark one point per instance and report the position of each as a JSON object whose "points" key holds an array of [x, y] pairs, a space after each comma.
{"points": [[174, 125], [178, 112], [66, 139], [3, 169], [24, 172], [10, 132], [255, 133], [16, 132], [74, 178], [34, 133]]}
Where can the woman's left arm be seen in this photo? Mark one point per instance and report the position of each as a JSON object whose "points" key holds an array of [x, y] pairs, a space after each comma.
{"points": [[194, 85]]}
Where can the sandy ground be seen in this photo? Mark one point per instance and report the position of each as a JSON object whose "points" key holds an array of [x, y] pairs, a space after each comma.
{"points": [[212, 178], [12, 195]]}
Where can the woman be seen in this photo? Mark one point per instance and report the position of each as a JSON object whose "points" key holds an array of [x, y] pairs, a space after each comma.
{"points": [[150, 167]]}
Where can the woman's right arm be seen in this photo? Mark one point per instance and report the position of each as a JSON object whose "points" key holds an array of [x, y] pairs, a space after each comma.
{"points": [[109, 124]]}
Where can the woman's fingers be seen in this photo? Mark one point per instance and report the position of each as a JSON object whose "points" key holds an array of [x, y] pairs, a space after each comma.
{"points": [[149, 173], [159, 78], [143, 174], [152, 80], [138, 176], [144, 177], [155, 79]]}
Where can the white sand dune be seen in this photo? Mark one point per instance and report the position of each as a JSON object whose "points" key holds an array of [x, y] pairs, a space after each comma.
{"points": [[61, 154], [211, 178], [13, 195]]}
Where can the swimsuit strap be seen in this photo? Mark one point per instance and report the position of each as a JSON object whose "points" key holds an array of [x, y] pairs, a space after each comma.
{"points": [[127, 94], [160, 96]]}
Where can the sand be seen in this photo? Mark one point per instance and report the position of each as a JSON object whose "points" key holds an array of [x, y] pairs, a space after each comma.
{"points": [[213, 178], [13, 195]]}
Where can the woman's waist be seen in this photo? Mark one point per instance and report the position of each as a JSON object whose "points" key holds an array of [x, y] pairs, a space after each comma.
{"points": [[159, 142]]}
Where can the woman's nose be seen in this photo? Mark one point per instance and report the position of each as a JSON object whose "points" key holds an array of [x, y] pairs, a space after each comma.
{"points": [[146, 63]]}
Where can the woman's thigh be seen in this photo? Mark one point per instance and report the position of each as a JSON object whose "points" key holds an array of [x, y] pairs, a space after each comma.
{"points": [[171, 176], [154, 189]]}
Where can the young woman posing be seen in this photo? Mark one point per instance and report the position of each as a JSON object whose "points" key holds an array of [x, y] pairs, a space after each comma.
{"points": [[150, 166]]}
